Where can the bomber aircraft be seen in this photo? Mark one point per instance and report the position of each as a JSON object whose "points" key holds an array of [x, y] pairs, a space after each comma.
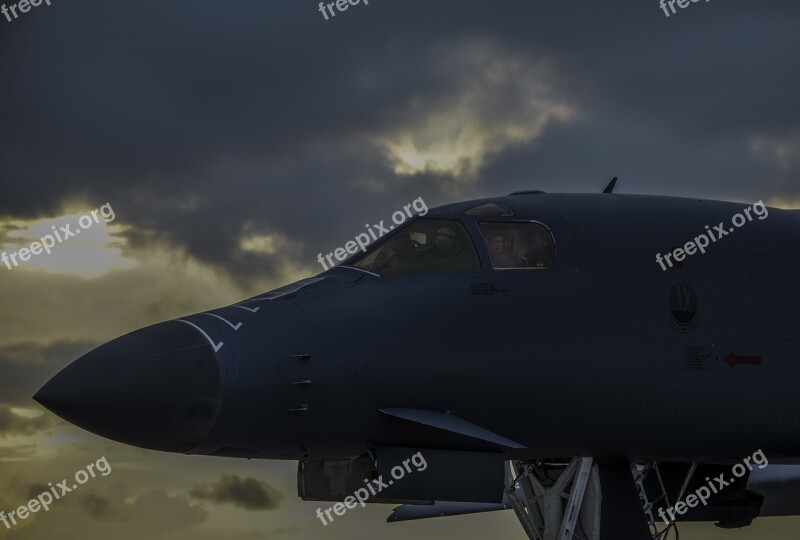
{"points": [[565, 356]]}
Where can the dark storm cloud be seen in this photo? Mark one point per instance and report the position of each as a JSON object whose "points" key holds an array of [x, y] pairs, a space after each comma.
{"points": [[50, 353], [247, 493], [100, 508], [27, 366], [195, 120], [154, 514], [14, 424], [35, 489]]}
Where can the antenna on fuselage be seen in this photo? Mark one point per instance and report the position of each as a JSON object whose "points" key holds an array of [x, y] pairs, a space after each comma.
{"points": [[610, 186]]}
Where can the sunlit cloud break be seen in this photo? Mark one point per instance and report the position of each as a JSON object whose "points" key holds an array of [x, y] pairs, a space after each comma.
{"points": [[495, 104], [84, 244]]}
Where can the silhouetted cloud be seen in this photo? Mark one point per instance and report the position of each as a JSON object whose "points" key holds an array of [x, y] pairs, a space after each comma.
{"points": [[13, 453], [247, 493], [27, 365], [15, 424], [100, 508]]}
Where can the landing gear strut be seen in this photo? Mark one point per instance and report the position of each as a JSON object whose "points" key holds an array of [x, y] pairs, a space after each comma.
{"points": [[556, 500]]}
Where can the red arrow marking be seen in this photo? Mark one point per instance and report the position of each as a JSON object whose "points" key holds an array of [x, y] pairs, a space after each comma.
{"points": [[733, 359]]}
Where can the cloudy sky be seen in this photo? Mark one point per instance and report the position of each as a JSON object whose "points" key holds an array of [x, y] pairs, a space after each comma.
{"points": [[236, 140]]}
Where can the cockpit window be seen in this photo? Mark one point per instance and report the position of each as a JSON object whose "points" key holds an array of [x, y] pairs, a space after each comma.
{"points": [[518, 245], [426, 245]]}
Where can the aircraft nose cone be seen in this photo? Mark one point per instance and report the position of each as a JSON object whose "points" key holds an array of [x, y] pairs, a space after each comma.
{"points": [[156, 388]]}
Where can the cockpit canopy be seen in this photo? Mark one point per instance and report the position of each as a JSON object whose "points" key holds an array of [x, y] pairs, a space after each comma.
{"points": [[435, 245], [426, 245], [518, 245]]}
